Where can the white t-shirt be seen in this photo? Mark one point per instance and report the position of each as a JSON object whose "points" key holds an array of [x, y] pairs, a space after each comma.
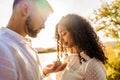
{"points": [[18, 60], [92, 69]]}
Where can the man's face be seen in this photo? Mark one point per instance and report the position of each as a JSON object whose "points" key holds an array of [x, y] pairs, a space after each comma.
{"points": [[35, 21]]}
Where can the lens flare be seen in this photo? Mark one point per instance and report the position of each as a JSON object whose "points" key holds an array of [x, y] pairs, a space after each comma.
{"points": [[43, 4]]}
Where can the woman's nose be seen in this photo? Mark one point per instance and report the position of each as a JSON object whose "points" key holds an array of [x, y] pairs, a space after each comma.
{"points": [[61, 39]]}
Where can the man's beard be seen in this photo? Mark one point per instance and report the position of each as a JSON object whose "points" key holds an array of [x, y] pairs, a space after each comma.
{"points": [[30, 29]]}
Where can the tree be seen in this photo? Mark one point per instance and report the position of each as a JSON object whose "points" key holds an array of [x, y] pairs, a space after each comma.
{"points": [[107, 19]]}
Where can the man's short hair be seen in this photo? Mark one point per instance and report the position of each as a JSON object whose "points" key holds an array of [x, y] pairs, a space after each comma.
{"points": [[15, 2]]}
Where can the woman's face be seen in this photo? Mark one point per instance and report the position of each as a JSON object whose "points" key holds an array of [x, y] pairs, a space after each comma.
{"points": [[65, 37]]}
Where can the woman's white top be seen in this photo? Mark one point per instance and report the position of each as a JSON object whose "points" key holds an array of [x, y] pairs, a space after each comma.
{"points": [[92, 69]]}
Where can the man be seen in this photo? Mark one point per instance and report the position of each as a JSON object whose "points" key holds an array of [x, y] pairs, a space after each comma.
{"points": [[18, 60]]}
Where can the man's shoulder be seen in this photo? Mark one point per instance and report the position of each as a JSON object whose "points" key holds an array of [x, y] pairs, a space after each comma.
{"points": [[6, 49], [5, 45]]}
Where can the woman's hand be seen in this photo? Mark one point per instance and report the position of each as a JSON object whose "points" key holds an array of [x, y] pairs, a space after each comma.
{"points": [[55, 67]]}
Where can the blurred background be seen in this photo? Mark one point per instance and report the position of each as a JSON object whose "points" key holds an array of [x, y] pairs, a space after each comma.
{"points": [[104, 15]]}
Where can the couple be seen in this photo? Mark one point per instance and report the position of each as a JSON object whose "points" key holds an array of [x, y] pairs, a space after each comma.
{"points": [[76, 39]]}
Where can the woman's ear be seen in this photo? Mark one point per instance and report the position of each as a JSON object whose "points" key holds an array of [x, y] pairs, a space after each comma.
{"points": [[24, 9]]}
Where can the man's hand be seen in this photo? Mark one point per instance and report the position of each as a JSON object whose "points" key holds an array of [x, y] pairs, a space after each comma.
{"points": [[55, 67]]}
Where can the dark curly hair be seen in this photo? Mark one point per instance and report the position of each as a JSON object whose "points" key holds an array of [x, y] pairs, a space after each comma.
{"points": [[83, 35]]}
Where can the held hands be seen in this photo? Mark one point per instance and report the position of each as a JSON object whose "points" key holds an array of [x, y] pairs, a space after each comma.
{"points": [[55, 67]]}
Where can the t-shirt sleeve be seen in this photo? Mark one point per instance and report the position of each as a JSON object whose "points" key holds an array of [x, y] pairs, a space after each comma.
{"points": [[95, 71], [7, 66]]}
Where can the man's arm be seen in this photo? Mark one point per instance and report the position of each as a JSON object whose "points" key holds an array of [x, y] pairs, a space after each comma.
{"points": [[7, 65]]}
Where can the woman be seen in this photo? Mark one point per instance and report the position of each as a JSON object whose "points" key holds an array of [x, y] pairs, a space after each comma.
{"points": [[83, 51]]}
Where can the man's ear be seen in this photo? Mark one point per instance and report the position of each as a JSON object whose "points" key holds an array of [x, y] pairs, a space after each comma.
{"points": [[24, 9]]}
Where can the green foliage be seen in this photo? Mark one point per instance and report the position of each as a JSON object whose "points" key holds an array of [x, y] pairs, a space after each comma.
{"points": [[107, 18], [113, 65], [113, 69]]}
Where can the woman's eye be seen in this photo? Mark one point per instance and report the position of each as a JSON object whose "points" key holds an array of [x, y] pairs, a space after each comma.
{"points": [[64, 34]]}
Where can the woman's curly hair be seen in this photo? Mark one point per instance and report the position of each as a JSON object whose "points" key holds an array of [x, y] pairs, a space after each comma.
{"points": [[83, 35]]}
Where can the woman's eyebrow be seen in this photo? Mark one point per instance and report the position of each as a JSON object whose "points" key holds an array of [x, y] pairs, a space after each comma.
{"points": [[62, 31]]}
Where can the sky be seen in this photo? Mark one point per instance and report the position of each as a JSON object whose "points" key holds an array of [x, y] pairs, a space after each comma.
{"points": [[45, 38]]}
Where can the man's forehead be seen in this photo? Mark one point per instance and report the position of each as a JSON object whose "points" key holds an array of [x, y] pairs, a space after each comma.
{"points": [[43, 4]]}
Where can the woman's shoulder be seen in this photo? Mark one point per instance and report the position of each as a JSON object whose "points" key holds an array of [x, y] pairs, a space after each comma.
{"points": [[95, 65], [95, 70], [94, 62]]}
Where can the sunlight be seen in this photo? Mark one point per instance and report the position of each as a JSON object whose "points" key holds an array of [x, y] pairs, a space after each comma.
{"points": [[46, 38]]}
